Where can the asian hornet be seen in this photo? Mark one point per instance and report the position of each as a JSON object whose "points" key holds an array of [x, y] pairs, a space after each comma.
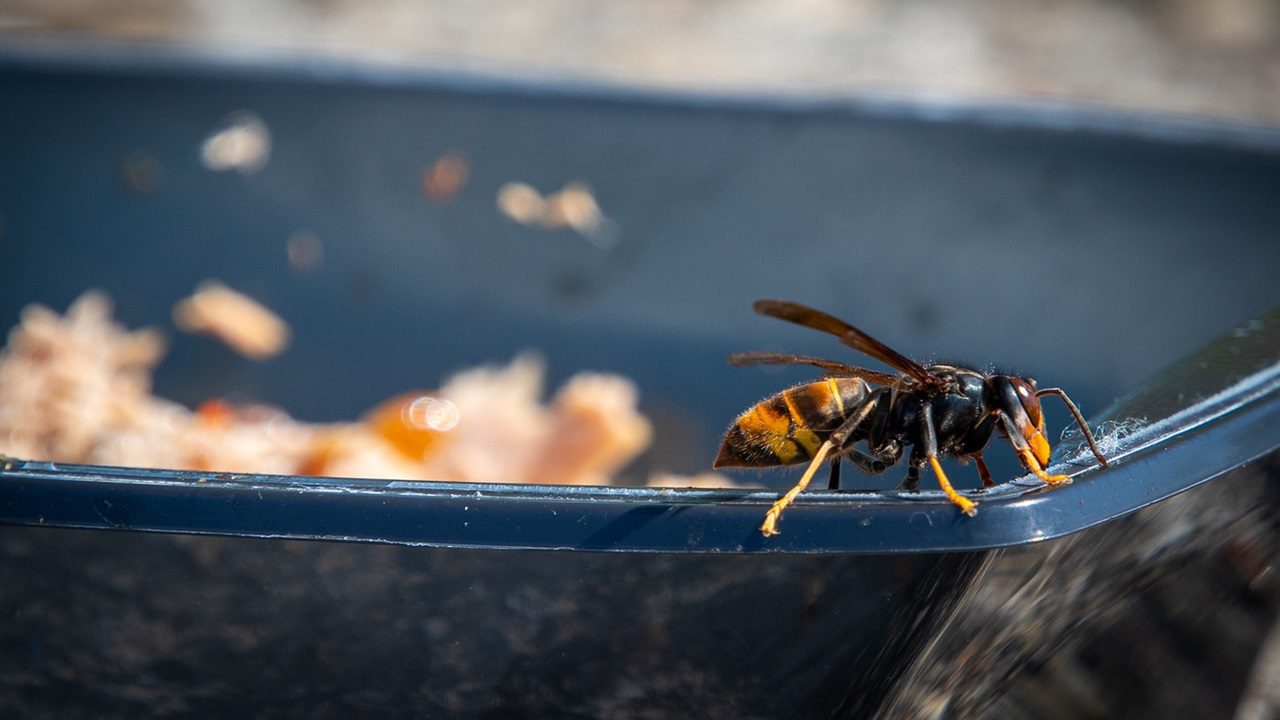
{"points": [[937, 410]]}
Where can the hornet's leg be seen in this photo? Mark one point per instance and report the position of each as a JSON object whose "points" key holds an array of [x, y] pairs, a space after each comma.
{"points": [[868, 464], [1034, 466], [833, 442], [770, 524], [983, 472], [911, 483], [930, 441], [1028, 458]]}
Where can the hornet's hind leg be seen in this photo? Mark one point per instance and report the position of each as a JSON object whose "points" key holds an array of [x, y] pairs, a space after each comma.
{"points": [[832, 445], [770, 525]]}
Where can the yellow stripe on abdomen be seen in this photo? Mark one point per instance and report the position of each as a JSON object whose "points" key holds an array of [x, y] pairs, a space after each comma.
{"points": [[789, 427], [834, 387]]}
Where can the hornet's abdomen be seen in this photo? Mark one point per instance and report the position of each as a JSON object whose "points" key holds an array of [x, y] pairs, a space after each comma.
{"points": [[788, 428]]}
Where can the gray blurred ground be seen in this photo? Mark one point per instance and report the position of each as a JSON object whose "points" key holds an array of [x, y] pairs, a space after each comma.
{"points": [[1207, 57]]}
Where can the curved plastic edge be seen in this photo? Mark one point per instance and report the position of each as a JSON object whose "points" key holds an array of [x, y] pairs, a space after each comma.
{"points": [[1209, 439]]}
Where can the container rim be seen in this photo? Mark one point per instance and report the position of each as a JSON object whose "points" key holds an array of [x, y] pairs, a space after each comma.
{"points": [[63, 56], [1202, 442]]}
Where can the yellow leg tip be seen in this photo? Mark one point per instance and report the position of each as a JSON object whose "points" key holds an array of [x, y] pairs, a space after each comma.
{"points": [[967, 506], [769, 527], [1030, 461]]}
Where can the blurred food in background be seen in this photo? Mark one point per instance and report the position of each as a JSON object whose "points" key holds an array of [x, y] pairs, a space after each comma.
{"points": [[236, 319], [243, 144], [446, 177], [573, 206], [77, 388]]}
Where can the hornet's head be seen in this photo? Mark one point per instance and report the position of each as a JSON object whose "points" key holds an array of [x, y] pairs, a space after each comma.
{"points": [[1015, 398]]}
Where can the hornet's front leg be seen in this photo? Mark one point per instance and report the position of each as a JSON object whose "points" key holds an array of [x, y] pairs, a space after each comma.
{"points": [[1023, 448]]}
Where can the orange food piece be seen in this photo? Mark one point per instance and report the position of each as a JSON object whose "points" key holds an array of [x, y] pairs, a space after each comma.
{"points": [[323, 450], [413, 423], [444, 179], [216, 413]]}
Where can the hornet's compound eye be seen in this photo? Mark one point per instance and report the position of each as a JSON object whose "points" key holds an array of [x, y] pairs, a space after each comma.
{"points": [[1027, 395]]}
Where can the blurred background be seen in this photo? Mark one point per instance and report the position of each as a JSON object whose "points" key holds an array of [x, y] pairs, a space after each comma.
{"points": [[1208, 57]]}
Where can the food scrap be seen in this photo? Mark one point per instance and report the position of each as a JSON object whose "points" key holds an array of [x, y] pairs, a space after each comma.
{"points": [[573, 206], [446, 177], [238, 320], [243, 145], [77, 388]]}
